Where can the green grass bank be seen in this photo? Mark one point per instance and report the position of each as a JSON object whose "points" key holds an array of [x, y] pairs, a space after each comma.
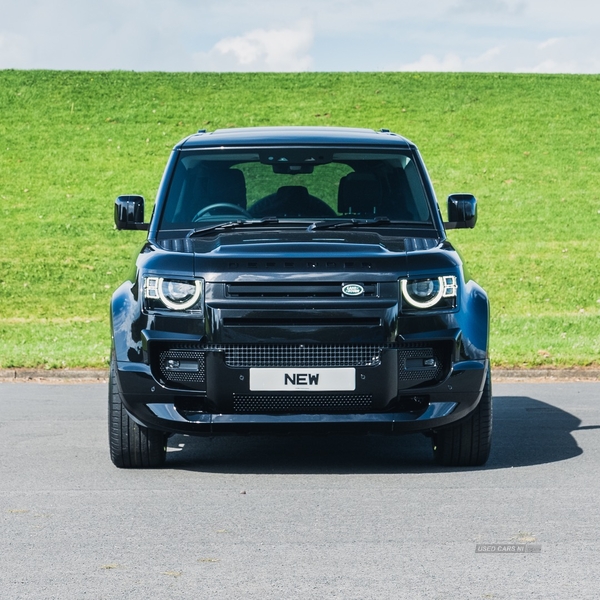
{"points": [[527, 146]]}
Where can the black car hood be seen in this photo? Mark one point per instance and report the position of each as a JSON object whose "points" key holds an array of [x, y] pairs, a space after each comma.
{"points": [[328, 253]]}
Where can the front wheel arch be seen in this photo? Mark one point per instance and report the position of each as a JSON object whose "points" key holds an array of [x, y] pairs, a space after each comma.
{"points": [[131, 445], [467, 443]]}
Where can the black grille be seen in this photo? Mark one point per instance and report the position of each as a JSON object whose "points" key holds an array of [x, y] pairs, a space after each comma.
{"points": [[417, 363], [301, 320], [294, 290], [414, 364], [305, 403], [188, 366], [325, 355]]}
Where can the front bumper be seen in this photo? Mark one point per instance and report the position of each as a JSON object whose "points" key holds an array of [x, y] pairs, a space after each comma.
{"points": [[214, 409]]}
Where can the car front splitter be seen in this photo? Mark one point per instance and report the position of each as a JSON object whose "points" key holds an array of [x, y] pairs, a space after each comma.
{"points": [[433, 415]]}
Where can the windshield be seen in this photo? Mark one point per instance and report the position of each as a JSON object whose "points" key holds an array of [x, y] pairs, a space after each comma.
{"points": [[210, 187]]}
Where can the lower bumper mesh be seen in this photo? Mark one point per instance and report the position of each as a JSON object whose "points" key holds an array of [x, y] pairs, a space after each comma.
{"points": [[185, 367], [304, 403], [422, 364]]}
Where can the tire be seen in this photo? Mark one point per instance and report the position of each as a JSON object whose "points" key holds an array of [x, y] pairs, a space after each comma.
{"points": [[132, 446], [467, 443]]}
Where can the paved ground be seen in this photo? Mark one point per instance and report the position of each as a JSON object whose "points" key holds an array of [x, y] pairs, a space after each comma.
{"points": [[351, 518]]}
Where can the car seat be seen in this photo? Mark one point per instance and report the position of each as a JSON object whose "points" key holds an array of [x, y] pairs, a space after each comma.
{"points": [[359, 194]]}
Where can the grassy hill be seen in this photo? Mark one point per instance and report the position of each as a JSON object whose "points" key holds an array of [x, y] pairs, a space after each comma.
{"points": [[528, 146]]}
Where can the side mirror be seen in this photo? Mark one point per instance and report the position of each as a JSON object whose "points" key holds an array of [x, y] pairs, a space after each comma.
{"points": [[462, 211], [129, 212]]}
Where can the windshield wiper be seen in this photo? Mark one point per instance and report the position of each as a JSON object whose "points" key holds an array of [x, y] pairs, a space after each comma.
{"points": [[232, 225], [329, 224], [350, 223]]}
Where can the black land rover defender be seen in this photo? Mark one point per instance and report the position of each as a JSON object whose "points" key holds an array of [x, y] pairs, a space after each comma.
{"points": [[298, 279]]}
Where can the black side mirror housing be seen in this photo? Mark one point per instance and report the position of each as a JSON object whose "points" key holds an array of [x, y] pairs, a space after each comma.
{"points": [[129, 212], [462, 211]]}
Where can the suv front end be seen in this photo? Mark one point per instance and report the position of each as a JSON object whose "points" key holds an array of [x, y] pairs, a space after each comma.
{"points": [[335, 306]]}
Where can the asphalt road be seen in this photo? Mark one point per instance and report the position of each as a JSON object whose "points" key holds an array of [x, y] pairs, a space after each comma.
{"points": [[299, 517]]}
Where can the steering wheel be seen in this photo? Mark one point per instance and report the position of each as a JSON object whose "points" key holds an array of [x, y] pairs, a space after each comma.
{"points": [[218, 205]]}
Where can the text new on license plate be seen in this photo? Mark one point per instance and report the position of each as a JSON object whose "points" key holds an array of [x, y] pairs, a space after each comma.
{"points": [[291, 380]]}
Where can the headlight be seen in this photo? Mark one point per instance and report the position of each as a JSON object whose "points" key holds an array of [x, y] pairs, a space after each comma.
{"points": [[426, 293], [176, 294]]}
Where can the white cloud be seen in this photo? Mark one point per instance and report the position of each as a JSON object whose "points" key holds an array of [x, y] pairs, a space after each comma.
{"points": [[562, 55], [555, 55], [15, 51], [487, 56], [285, 49], [573, 54], [430, 62], [548, 43]]}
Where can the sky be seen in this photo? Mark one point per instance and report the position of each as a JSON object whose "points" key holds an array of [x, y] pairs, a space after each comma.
{"points": [[533, 36]]}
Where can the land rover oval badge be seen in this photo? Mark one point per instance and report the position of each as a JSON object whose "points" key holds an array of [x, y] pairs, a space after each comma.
{"points": [[353, 289]]}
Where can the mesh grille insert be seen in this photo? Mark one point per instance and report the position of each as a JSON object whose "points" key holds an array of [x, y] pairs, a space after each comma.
{"points": [[194, 369], [256, 355], [302, 403], [416, 363], [408, 372]]}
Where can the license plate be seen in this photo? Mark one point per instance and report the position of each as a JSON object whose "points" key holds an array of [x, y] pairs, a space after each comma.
{"points": [[302, 379]]}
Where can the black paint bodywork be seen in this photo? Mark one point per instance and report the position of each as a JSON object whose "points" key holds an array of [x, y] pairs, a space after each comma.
{"points": [[280, 287]]}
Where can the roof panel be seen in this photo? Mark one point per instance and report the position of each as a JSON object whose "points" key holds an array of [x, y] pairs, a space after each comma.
{"points": [[267, 136]]}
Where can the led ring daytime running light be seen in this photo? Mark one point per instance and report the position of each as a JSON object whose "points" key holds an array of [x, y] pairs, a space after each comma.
{"points": [[447, 290], [176, 305]]}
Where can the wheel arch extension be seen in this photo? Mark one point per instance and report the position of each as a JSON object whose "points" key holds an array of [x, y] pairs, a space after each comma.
{"points": [[125, 323]]}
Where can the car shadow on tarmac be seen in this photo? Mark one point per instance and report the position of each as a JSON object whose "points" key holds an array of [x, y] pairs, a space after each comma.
{"points": [[527, 432]]}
